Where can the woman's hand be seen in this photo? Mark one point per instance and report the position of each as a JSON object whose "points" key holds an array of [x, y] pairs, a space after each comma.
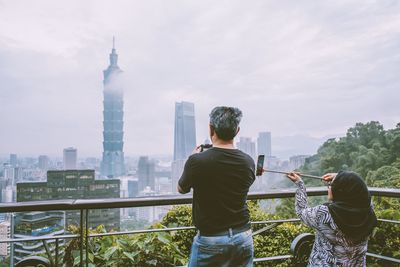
{"points": [[328, 177], [294, 176]]}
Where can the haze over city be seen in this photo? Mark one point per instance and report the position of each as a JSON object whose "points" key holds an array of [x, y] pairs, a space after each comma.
{"points": [[310, 68]]}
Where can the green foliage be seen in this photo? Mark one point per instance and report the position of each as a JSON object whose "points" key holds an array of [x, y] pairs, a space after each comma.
{"points": [[275, 241], [365, 148], [385, 241], [4, 261], [149, 249], [181, 216], [133, 224]]}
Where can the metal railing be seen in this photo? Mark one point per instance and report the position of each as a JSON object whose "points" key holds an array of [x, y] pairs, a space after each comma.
{"points": [[84, 205]]}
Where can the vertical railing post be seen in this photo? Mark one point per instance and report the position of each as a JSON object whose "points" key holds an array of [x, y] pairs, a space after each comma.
{"points": [[12, 237], [48, 251], [56, 256], [86, 235], [81, 241]]}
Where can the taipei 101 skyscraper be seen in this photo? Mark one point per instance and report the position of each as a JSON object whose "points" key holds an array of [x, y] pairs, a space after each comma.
{"points": [[112, 164]]}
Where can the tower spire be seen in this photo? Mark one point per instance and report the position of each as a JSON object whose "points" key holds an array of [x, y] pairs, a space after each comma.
{"points": [[113, 55]]}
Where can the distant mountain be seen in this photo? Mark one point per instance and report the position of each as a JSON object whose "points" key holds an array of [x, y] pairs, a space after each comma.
{"points": [[284, 147]]}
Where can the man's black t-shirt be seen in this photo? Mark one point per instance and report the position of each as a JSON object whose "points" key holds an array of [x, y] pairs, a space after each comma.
{"points": [[220, 179]]}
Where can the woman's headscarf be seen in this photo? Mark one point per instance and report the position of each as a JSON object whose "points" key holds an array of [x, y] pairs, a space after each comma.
{"points": [[351, 207]]}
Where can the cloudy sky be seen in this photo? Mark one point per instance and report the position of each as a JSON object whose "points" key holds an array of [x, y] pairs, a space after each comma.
{"points": [[311, 68]]}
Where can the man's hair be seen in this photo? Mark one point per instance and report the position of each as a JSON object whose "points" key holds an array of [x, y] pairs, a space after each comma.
{"points": [[225, 121]]}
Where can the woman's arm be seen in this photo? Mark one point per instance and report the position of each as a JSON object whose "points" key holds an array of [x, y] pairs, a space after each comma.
{"points": [[310, 216]]}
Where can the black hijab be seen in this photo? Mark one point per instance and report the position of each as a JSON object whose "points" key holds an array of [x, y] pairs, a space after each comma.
{"points": [[351, 206]]}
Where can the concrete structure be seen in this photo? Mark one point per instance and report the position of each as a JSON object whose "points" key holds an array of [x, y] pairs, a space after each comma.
{"points": [[70, 158], [112, 164]]}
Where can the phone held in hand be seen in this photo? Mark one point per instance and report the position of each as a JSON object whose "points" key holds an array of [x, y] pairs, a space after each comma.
{"points": [[260, 165]]}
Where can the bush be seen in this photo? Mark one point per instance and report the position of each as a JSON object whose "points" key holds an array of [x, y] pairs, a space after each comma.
{"points": [[150, 249]]}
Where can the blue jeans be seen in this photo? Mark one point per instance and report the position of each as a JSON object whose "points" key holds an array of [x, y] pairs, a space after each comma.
{"points": [[230, 250]]}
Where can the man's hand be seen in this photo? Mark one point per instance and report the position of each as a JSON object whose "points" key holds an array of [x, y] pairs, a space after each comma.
{"points": [[196, 150], [180, 190], [294, 176], [328, 177]]}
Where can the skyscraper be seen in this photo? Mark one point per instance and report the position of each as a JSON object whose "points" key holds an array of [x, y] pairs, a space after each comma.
{"points": [[146, 173], [264, 144], [43, 162], [13, 160], [112, 164], [246, 145], [70, 157], [185, 130], [184, 138]]}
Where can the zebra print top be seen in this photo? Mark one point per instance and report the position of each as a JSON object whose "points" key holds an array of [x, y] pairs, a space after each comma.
{"points": [[331, 247]]}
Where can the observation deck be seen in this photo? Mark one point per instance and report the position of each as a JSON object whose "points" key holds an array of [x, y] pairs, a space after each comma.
{"points": [[84, 234]]}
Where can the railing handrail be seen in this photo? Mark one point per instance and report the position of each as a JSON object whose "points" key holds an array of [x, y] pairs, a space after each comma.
{"points": [[83, 204]]}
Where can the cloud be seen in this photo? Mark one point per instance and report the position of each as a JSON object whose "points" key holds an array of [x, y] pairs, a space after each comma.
{"points": [[309, 68]]}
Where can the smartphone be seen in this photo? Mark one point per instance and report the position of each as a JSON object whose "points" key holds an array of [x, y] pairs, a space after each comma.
{"points": [[260, 165]]}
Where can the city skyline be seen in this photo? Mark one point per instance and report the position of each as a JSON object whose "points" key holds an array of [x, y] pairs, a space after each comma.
{"points": [[293, 75]]}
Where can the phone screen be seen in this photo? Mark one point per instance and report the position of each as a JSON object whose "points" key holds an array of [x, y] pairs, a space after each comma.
{"points": [[260, 165]]}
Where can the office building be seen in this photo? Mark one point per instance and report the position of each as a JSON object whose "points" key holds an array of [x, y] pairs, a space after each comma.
{"points": [[112, 164], [13, 160], [8, 194], [75, 184], [146, 173], [184, 138], [246, 145], [18, 174], [43, 162], [264, 144], [67, 184], [9, 174], [185, 130], [35, 224], [133, 188], [70, 158], [297, 161], [4, 234]]}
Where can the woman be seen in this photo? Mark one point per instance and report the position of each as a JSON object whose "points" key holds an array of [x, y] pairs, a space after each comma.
{"points": [[343, 225]]}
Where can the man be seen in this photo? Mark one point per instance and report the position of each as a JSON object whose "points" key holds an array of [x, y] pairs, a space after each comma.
{"points": [[220, 177]]}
